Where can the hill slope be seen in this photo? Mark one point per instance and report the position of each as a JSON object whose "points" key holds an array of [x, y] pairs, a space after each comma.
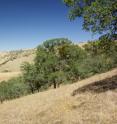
{"points": [[60, 107], [12, 60], [8, 75]]}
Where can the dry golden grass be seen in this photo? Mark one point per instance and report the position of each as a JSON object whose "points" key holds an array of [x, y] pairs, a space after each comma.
{"points": [[58, 106], [11, 61], [12, 68], [8, 75]]}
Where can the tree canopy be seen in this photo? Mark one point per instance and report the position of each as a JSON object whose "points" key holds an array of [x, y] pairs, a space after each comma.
{"points": [[60, 61], [98, 15]]}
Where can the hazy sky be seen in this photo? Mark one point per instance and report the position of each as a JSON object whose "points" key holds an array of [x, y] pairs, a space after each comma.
{"points": [[27, 23]]}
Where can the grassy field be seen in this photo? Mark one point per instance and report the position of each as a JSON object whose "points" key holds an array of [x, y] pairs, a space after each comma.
{"points": [[12, 60], [8, 75], [66, 105]]}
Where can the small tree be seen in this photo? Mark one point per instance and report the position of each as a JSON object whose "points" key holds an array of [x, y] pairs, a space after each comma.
{"points": [[29, 75], [56, 78], [48, 60]]}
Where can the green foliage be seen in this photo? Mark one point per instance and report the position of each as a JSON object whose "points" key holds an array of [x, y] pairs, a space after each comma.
{"points": [[71, 52], [59, 63], [98, 15], [13, 88], [48, 61], [52, 44], [32, 77], [53, 60], [102, 46], [56, 78]]}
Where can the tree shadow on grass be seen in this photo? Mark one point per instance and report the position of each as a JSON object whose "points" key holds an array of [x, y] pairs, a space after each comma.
{"points": [[98, 87]]}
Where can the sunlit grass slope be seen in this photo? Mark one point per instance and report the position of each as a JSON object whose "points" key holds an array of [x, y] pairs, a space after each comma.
{"points": [[67, 104]]}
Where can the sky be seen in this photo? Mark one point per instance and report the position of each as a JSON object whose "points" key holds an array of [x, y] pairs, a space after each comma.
{"points": [[27, 23]]}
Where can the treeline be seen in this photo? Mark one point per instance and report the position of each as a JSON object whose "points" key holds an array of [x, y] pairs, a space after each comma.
{"points": [[59, 61]]}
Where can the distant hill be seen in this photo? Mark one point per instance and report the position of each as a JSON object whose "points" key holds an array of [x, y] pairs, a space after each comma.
{"points": [[12, 60]]}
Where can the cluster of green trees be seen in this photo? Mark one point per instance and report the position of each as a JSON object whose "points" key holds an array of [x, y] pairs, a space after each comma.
{"points": [[52, 65], [59, 61]]}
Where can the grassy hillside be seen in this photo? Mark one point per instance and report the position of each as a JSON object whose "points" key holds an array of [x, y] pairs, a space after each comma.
{"points": [[89, 101], [12, 60], [59, 106], [8, 75]]}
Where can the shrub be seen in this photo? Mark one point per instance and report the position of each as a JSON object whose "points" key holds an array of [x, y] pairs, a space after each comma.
{"points": [[13, 88]]}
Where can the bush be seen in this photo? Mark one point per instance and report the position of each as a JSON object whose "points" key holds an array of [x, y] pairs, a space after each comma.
{"points": [[13, 88]]}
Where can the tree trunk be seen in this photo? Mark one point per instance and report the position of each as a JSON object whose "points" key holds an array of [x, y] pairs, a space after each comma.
{"points": [[1, 99], [54, 85], [31, 88], [38, 89]]}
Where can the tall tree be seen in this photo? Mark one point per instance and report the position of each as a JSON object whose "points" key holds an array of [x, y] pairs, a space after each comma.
{"points": [[98, 15]]}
